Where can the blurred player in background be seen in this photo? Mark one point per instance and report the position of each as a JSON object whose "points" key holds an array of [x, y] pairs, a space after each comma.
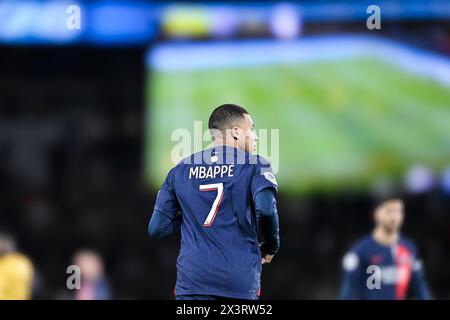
{"points": [[217, 197], [16, 271], [94, 283], [391, 257]]}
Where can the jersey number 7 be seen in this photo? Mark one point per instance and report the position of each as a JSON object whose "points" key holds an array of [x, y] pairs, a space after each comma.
{"points": [[215, 206]]}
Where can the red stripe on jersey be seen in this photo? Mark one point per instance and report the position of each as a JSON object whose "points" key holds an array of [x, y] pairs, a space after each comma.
{"points": [[404, 262]]}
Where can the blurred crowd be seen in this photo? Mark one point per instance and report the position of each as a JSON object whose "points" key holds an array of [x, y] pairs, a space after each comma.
{"points": [[71, 162]]}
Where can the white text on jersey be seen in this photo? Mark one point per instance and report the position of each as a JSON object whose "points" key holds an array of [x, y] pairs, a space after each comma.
{"points": [[202, 172]]}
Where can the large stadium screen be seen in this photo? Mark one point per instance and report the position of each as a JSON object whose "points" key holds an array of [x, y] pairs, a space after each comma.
{"points": [[337, 112]]}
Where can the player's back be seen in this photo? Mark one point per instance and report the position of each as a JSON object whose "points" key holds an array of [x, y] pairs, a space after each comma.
{"points": [[219, 252]]}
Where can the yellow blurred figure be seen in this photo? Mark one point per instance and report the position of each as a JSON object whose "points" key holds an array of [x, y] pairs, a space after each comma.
{"points": [[16, 272]]}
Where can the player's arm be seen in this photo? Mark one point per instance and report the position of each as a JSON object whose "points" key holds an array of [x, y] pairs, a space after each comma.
{"points": [[419, 287], [351, 276], [264, 188], [163, 225], [266, 211], [166, 217]]}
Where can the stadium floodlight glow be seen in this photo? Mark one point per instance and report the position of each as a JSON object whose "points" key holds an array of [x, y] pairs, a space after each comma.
{"points": [[224, 22], [419, 179], [445, 181], [285, 21]]}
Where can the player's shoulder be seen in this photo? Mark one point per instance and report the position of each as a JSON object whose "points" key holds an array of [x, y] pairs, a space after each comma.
{"points": [[259, 164], [362, 243], [197, 158], [258, 159], [352, 259], [256, 162], [408, 243], [171, 173]]}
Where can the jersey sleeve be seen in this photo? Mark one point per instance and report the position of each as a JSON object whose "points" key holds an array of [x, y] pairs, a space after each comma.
{"points": [[351, 268], [419, 287], [266, 211], [166, 200], [263, 177], [162, 226]]}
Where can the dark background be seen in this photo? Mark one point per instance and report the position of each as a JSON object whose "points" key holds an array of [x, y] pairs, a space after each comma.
{"points": [[71, 176]]}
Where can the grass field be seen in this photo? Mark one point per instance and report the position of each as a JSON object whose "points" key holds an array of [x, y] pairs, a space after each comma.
{"points": [[343, 123]]}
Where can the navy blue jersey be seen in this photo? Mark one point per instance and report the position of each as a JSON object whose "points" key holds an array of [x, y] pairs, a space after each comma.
{"points": [[398, 268], [214, 192]]}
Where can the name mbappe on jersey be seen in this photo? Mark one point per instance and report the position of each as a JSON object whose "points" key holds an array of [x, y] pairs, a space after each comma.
{"points": [[211, 172]]}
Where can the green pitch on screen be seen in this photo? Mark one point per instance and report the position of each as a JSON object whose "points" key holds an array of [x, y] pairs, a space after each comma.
{"points": [[343, 124]]}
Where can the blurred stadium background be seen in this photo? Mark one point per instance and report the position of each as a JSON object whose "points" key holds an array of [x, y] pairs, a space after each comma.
{"points": [[86, 117]]}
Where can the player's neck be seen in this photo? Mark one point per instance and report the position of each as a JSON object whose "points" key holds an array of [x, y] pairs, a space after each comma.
{"points": [[385, 238], [224, 142]]}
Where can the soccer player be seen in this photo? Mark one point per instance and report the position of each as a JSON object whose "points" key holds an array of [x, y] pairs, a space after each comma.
{"points": [[16, 271], [384, 265], [220, 198]]}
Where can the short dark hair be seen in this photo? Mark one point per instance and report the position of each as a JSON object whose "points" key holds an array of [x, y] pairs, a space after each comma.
{"points": [[381, 199], [224, 115]]}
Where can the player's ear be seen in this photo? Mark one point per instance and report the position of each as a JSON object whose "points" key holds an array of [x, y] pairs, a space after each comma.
{"points": [[375, 214], [235, 133]]}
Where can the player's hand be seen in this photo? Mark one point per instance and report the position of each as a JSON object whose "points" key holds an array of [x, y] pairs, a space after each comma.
{"points": [[266, 259]]}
